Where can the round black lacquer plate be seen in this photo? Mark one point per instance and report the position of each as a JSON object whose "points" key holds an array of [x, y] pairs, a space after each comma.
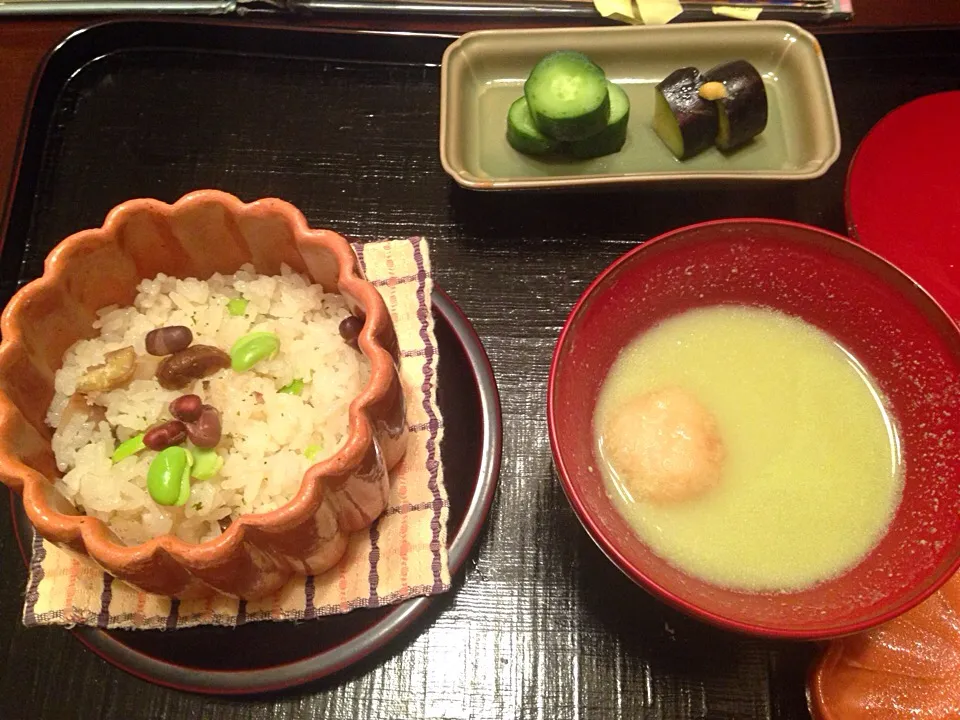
{"points": [[265, 656]]}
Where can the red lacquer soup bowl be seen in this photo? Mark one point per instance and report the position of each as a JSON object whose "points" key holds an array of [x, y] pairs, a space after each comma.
{"points": [[887, 321]]}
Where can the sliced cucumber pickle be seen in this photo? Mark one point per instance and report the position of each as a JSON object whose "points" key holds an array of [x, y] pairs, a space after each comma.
{"points": [[613, 136], [523, 134], [567, 96]]}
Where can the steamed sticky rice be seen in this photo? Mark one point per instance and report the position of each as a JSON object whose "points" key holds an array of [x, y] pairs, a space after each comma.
{"points": [[269, 437]]}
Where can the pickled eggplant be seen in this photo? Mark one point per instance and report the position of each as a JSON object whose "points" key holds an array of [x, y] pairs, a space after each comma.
{"points": [[685, 122], [737, 90]]}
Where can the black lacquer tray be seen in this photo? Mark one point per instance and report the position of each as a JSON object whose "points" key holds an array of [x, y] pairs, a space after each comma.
{"points": [[345, 126], [266, 656]]}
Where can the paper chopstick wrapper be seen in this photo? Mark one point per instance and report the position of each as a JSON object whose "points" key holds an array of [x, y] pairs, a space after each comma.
{"points": [[644, 12], [658, 12], [738, 13], [620, 10], [403, 555]]}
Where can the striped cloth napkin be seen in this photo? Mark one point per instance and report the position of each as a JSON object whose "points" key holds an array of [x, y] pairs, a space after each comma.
{"points": [[403, 555]]}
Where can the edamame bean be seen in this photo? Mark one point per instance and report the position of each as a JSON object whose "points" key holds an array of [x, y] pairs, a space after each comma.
{"points": [[293, 388], [252, 348], [168, 478], [206, 463], [128, 448], [311, 451], [237, 306], [185, 483]]}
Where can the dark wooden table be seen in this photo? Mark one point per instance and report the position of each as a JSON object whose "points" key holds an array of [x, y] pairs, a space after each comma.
{"points": [[657, 664], [24, 43]]}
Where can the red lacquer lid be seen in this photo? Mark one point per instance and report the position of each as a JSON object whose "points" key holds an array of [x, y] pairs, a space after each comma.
{"points": [[903, 194]]}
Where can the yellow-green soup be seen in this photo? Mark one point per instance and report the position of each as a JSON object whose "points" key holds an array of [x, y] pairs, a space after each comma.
{"points": [[812, 473]]}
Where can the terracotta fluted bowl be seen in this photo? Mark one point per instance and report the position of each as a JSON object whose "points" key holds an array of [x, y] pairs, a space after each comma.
{"points": [[203, 233]]}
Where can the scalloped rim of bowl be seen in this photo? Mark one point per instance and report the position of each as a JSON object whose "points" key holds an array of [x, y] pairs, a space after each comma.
{"points": [[92, 533]]}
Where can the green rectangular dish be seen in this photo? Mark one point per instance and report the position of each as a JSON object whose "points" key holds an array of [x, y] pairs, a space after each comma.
{"points": [[484, 71]]}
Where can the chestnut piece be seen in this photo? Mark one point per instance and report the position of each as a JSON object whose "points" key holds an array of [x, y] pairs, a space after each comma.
{"points": [[118, 367]]}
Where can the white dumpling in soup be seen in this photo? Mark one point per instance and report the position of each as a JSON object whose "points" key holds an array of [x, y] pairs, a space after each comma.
{"points": [[664, 446]]}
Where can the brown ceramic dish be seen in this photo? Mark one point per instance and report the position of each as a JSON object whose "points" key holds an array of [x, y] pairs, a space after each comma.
{"points": [[202, 233]]}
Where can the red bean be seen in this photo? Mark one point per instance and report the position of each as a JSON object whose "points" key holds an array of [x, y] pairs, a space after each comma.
{"points": [[350, 328], [186, 407], [168, 434], [168, 340], [205, 431], [197, 361]]}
